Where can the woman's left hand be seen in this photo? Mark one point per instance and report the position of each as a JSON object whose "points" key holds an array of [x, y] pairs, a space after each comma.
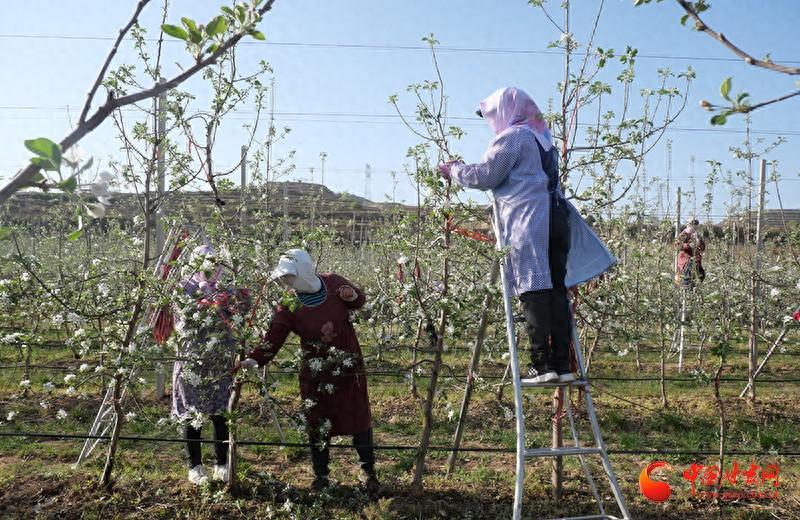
{"points": [[444, 168], [347, 293]]}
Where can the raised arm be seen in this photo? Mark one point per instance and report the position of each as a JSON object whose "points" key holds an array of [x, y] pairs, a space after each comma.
{"points": [[502, 156]]}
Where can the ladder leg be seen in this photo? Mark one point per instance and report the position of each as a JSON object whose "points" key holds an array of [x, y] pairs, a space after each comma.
{"points": [[581, 458], [89, 444], [596, 431]]}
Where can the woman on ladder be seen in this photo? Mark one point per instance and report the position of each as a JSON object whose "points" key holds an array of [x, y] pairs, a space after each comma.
{"points": [[521, 170]]}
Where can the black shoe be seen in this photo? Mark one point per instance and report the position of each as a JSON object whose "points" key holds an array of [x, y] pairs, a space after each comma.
{"points": [[320, 483], [369, 481], [540, 374]]}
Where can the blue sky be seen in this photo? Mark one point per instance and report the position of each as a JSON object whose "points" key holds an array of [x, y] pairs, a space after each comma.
{"points": [[52, 49]]}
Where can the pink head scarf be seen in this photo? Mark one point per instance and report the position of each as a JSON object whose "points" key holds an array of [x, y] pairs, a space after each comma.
{"points": [[510, 106], [199, 280]]}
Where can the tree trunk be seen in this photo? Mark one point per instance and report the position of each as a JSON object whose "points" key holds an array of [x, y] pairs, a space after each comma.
{"points": [[118, 421], [473, 369]]}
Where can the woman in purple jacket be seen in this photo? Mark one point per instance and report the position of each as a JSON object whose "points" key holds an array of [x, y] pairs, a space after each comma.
{"points": [[533, 218]]}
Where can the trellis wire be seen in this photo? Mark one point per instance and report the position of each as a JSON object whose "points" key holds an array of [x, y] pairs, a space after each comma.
{"points": [[389, 447], [404, 373]]}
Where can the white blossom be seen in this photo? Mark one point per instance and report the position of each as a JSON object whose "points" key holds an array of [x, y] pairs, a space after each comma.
{"points": [[25, 383], [315, 365], [61, 414], [83, 368], [44, 404], [48, 387], [130, 416], [10, 416], [26, 277], [68, 378], [309, 404], [70, 391], [197, 421]]}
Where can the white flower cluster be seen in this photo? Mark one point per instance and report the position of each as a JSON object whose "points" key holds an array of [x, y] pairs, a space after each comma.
{"points": [[11, 339]]}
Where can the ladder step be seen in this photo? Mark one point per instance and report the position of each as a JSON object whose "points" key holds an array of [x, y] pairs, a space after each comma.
{"points": [[527, 383], [567, 450]]}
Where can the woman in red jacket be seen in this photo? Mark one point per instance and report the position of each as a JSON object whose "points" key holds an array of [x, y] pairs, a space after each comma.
{"points": [[333, 385]]}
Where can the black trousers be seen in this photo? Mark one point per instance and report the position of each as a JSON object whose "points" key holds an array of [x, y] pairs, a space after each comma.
{"points": [[192, 436], [320, 457], [547, 314]]}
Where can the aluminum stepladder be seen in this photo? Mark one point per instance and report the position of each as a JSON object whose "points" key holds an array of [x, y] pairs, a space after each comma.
{"points": [[105, 415], [522, 453]]}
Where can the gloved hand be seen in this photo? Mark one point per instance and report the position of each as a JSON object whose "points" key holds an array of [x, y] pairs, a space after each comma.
{"points": [[247, 363], [444, 168]]}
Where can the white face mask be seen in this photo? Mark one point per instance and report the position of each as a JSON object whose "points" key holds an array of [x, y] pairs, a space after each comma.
{"points": [[298, 263]]}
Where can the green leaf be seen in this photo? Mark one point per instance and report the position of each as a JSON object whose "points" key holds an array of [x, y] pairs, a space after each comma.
{"points": [[212, 48], [75, 235], [43, 163], [258, 35], [195, 36], [189, 23], [725, 88], [684, 19], [241, 13], [216, 26], [227, 10], [69, 185], [44, 147], [175, 32], [5, 232], [719, 119]]}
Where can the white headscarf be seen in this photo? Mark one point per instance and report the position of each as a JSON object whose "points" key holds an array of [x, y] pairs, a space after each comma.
{"points": [[510, 106], [298, 262]]}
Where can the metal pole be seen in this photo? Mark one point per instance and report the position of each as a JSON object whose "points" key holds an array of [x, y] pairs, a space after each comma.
{"points": [[243, 188], [677, 226], [322, 156], [285, 213], [161, 377], [754, 283]]}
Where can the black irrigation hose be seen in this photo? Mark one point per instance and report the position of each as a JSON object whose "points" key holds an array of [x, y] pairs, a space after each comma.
{"points": [[387, 447], [389, 373]]}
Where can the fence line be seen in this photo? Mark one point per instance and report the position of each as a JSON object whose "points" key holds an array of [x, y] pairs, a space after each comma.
{"points": [[389, 447]]}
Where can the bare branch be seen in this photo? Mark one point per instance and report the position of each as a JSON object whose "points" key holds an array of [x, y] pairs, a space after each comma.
{"points": [[750, 60], [750, 108], [24, 177], [104, 68]]}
